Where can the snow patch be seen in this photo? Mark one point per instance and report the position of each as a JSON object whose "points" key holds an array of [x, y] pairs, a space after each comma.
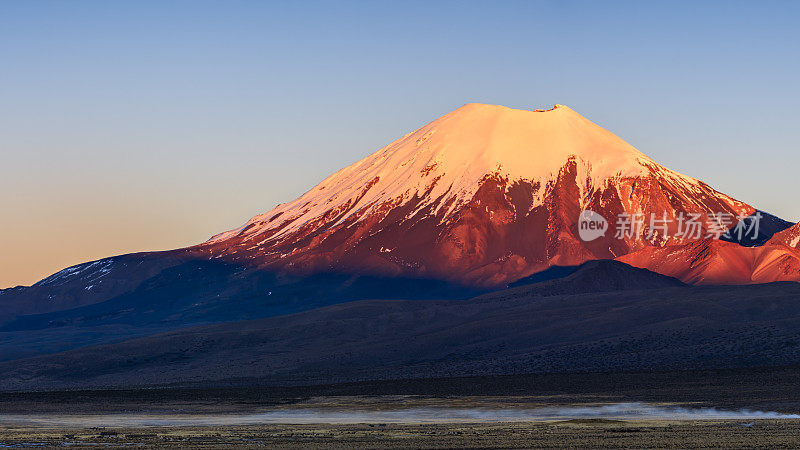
{"points": [[89, 272]]}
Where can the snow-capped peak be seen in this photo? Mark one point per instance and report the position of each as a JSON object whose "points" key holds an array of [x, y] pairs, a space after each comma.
{"points": [[480, 196], [446, 160]]}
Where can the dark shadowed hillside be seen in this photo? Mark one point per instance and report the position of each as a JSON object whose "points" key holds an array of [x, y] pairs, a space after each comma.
{"points": [[191, 292], [589, 277], [509, 332]]}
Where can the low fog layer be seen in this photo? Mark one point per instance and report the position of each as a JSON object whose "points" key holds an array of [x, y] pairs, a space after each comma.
{"points": [[416, 415]]}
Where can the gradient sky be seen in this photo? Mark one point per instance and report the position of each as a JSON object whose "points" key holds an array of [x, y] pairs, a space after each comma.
{"points": [[131, 126]]}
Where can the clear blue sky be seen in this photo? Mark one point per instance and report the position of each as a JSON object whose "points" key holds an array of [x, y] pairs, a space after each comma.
{"points": [[150, 125]]}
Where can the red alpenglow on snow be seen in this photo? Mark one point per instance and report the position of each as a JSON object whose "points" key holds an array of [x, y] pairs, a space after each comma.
{"points": [[486, 195], [710, 261], [789, 237]]}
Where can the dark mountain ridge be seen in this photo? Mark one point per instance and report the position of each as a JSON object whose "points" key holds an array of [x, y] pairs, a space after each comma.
{"points": [[514, 331]]}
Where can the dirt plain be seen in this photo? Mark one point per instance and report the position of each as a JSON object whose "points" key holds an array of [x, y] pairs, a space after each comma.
{"points": [[591, 433]]}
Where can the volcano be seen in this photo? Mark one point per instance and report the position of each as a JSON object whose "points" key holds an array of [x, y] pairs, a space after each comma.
{"points": [[482, 196]]}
